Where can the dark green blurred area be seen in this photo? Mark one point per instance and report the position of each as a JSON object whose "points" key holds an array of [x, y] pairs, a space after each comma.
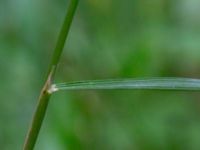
{"points": [[108, 39]]}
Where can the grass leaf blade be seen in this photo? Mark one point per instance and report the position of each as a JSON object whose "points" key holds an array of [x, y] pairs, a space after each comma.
{"points": [[146, 84]]}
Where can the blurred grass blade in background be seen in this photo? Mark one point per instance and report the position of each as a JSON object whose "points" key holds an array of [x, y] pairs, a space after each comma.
{"points": [[152, 83]]}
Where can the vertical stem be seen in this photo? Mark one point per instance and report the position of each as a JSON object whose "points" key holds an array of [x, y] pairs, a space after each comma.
{"points": [[63, 34], [45, 95], [37, 122]]}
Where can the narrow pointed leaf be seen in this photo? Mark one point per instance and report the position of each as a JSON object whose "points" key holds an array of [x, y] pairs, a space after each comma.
{"points": [[146, 84]]}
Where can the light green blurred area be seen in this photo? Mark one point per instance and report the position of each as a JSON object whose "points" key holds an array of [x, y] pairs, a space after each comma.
{"points": [[108, 39]]}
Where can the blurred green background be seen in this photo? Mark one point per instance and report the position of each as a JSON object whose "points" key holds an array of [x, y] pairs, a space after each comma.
{"points": [[108, 39]]}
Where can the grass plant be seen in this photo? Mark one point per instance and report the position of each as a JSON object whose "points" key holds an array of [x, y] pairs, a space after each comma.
{"points": [[50, 87]]}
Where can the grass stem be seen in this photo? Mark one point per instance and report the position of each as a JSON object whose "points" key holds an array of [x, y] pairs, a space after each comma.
{"points": [[45, 95]]}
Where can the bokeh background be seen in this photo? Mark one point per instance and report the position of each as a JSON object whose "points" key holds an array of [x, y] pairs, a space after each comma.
{"points": [[108, 39]]}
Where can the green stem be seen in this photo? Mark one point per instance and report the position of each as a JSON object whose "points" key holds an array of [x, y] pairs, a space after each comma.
{"points": [[63, 35], [45, 95], [37, 121]]}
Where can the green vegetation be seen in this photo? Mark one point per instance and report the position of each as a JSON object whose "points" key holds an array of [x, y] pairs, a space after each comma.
{"points": [[130, 41], [45, 95]]}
